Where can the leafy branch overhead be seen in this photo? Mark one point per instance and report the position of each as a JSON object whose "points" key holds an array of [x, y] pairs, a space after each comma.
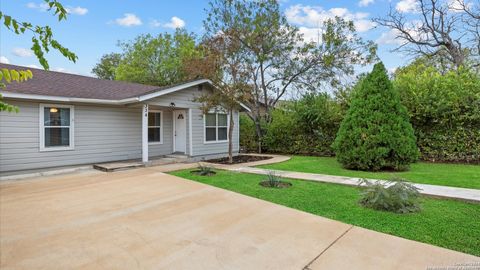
{"points": [[8, 76], [42, 39]]}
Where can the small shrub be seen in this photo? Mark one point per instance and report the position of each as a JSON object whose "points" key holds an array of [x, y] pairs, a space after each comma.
{"points": [[395, 196], [204, 170], [274, 181]]}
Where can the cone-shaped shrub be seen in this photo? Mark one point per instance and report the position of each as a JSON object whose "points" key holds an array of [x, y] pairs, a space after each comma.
{"points": [[376, 133]]}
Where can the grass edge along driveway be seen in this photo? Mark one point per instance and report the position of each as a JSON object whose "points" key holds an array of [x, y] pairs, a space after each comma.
{"points": [[442, 222], [454, 175]]}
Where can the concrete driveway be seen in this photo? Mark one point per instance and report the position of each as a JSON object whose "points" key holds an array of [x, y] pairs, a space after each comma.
{"points": [[145, 219]]}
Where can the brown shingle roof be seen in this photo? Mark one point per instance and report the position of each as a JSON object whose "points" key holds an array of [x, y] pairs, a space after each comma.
{"points": [[51, 83]]}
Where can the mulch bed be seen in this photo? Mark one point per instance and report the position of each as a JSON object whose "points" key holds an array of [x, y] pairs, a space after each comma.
{"points": [[239, 159], [281, 184]]}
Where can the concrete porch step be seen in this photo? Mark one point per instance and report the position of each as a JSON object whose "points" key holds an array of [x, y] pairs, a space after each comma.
{"points": [[131, 164], [177, 156], [117, 166]]}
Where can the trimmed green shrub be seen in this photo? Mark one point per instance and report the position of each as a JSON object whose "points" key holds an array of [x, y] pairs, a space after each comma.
{"points": [[444, 110], [307, 126], [376, 133], [395, 196], [248, 136]]}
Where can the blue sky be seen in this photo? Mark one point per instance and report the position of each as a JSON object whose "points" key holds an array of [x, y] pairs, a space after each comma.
{"points": [[93, 28]]}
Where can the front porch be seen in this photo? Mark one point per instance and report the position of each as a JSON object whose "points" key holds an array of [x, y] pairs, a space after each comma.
{"points": [[166, 133], [137, 163]]}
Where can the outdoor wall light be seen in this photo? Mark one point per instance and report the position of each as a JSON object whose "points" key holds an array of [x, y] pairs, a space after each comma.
{"points": [[53, 110]]}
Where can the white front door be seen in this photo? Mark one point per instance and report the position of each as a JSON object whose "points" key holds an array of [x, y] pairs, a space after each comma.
{"points": [[179, 131]]}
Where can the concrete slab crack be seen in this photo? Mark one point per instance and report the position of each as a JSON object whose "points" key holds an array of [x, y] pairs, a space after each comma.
{"points": [[307, 267]]}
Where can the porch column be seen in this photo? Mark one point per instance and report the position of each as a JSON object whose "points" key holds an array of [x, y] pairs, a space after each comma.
{"points": [[145, 133]]}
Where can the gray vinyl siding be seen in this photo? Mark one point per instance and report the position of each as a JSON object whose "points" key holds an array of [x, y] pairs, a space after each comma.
{"points": [[186, 99], [101, 134]]}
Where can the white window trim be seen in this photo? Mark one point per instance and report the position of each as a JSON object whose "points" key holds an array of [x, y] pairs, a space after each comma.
{"points": [[161, 127], [42, 128], [216, 127]]}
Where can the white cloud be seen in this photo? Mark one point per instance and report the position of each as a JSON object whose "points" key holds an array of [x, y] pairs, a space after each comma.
{"points": [[76, 10], [389, 38], [70, 10], [64, 70], [315, 16], [407, 6], [129, 19], [364, 3], [33, 66], [40, 6], [22, 52], [364, 25], [175, 23], [310, 34], [4, 60], [155, 23], [458, 5]]}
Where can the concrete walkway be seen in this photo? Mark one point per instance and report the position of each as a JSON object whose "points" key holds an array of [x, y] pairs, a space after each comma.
{"points": [[430, 190], [146, 219]]}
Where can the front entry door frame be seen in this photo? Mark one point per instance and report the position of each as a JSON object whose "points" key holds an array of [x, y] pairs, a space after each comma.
{"points": [[175, 133]]}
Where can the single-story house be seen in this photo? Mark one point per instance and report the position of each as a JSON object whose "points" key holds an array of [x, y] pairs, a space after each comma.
{"points": [[68, 119]]}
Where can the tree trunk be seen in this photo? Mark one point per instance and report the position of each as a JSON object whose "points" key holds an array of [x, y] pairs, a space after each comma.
{"points": [[230, 136]]}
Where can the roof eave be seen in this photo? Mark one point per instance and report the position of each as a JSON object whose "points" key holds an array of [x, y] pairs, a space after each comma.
{"points": [[6, 94]]}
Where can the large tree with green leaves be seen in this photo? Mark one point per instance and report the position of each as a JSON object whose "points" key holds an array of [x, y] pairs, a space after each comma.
{"points": [[42, 42], [376, 133], [105, 69], [277, 57], [157, 60]]}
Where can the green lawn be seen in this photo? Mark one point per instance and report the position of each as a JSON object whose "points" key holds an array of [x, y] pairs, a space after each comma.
{"points": [[446, 223], [455, 175]]}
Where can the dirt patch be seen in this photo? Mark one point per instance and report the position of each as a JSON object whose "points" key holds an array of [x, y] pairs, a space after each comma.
{"points": [[199, 172], [239, 159], [280, 184]]}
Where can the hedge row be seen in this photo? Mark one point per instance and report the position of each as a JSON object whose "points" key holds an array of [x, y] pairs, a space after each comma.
{"points": [[444, 110]]}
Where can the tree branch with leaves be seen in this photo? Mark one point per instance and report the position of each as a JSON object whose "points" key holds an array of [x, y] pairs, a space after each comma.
{"points": [[42, 42]]}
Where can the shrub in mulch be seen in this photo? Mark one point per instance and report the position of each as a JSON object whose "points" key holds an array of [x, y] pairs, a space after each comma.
{"points": [[239, 159], [274, 181], [204, 171]]}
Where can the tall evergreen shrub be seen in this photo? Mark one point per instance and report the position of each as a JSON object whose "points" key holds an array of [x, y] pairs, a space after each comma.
{"points": [[376, 133]]}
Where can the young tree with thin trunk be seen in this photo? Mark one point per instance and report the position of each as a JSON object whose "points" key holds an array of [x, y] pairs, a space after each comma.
{"points": [[277, 58], [223, 64]]}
